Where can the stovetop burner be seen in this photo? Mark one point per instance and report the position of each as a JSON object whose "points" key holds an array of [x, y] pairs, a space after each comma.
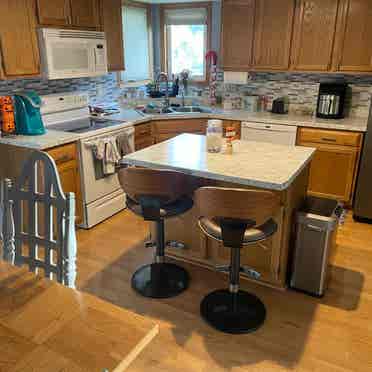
{"points": [[84, 125]]}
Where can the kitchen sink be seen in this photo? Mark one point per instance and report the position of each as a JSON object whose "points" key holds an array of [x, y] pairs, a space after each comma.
{"points": [[191, 109]]}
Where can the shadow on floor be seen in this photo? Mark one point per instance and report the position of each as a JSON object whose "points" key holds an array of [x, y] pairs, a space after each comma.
{"points": [[282, 339]]}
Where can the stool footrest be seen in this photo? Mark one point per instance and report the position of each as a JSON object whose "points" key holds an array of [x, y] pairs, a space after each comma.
{"points": [[250, 272], [222, 268], [175, 244]]}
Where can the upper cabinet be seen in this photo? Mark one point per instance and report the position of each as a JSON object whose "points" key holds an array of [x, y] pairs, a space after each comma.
{"points": [[273, 34], [85, 13], [237, 35], [19, 49], [75, 13], [113, 26], [353, 52], [314, 32], [56, 13]]}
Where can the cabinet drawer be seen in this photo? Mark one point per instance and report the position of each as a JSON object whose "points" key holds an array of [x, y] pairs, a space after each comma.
{"points": [[180, 126], [63, 154], [143, 130], [330, 137]]}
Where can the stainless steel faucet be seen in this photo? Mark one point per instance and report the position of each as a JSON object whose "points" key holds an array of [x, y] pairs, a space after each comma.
{"points": [[164, 76]]}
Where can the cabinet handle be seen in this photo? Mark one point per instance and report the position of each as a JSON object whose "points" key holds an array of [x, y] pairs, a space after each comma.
{"points": [[329, 139], [63, 159]]}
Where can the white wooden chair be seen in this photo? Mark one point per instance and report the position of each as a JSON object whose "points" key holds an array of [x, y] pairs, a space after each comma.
{"points": [[39, 221]]}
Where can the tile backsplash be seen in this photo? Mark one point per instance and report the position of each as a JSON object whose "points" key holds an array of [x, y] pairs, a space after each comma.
{"points": [[302, 90], [101, 90]]}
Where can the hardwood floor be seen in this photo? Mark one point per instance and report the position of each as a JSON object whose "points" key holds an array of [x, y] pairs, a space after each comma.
{"points": [[301, 333]]}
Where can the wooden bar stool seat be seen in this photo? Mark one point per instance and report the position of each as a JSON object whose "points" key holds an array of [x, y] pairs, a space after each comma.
{"points": [[156, 195], [237, 218]]}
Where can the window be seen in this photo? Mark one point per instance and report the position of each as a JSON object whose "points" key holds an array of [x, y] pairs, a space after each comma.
{"points": [[187, 40], [137, 45]]}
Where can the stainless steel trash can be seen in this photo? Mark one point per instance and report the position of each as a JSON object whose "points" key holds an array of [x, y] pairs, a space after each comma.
{"points": [[315, 237]]}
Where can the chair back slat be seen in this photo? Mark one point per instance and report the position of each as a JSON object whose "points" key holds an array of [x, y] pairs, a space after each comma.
{"points": [[39, 221]]}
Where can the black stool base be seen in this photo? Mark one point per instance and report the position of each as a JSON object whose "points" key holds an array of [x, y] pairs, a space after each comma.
{"points": [[160, 280], [245, 314]]}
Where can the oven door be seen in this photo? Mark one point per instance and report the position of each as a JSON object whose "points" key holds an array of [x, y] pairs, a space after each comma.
{"points": [[95, 184]]}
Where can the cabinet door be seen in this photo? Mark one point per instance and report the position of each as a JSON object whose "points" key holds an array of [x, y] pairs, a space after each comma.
{"points": [[354, 49], [314, 32], [332, 171], [273, 34], [19, 50], [262, 257], [113, 27], [237, 33], [85, 13], [54, 13]]}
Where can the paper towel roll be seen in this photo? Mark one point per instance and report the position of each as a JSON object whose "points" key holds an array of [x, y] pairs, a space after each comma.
{"points": [[232, 77]]}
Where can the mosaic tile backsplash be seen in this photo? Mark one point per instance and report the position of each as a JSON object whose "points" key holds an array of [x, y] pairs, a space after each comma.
{"points": [[102, 90], [302, 89]]}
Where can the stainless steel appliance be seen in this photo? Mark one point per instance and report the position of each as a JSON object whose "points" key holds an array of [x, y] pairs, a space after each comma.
{"points": [[102, 194], [315, 237], [72, 53], [331, 100], [363, 193]]}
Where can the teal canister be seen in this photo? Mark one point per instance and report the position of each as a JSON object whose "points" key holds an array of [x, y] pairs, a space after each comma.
{"points": [[27, 113]]}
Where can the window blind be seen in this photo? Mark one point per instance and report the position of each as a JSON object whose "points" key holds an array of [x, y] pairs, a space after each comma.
{"points": [[187, 16], [136, 44]]}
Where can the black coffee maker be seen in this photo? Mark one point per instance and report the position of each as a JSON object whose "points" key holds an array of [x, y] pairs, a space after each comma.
{"points": [[331, 99]]}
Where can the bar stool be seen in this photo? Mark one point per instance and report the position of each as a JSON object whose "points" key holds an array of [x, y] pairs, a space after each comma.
{"points": [[237, 218], [156, 195]]}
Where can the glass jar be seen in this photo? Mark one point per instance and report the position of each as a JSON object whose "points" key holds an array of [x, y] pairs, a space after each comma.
{"points": [[214, 135]]}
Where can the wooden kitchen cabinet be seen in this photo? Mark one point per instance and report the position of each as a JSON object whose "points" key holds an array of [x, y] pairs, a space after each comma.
{"points": [[166, 129], [55, 13], [85, 13], [19, 48], [273, 34], [334, 166], [237, 34], [76, 13], [353, 51], [314, 34], [112, 23], [66, 160], [143, 136]]}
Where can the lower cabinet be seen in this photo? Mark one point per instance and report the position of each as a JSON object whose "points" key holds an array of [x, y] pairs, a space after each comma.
{"points": [[334, 166], [65, 158], [143, 136]]}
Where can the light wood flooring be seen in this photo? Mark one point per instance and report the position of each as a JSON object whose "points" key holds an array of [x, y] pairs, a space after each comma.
{"points": [[301, 333]]}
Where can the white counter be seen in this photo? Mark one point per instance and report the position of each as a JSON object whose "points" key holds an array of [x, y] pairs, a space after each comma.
{"points": [[55, 138], [263, 165]]}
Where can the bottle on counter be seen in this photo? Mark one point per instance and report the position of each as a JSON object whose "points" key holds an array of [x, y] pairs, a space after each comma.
{"points": [[214, 135], [230, 136], [7, 115]]}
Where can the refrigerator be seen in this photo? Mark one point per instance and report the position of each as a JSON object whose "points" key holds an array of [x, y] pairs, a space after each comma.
{"points": [[363, 192]]}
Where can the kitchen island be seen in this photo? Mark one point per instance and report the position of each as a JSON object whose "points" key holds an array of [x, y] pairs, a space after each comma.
{"points": [[281, 169]]}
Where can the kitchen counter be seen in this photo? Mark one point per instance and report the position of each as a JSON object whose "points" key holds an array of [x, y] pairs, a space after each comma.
{"points": [[281, 169], [262, 165], [128, 117]]}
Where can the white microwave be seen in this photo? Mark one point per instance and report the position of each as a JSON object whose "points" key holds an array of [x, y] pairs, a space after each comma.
{"points": [[72, 53]]}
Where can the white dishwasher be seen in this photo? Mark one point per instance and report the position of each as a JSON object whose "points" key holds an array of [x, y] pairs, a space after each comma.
{"points": [[272, 133]]}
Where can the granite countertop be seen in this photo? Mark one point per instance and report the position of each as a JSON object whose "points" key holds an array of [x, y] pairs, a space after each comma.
{"points": [[129, 117], [262, 165]]}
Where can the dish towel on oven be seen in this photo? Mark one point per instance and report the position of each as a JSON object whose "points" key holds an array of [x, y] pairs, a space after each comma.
{"points": [[106, 151], [124, 143]]}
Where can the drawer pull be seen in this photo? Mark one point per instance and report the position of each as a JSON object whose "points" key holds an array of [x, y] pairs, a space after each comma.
{"points": [[329, 139], [63, 159]]}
